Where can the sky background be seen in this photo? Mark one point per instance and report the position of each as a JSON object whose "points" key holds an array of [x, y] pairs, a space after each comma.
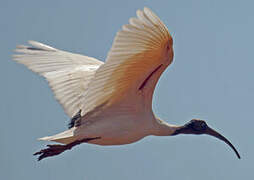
{"points": [[211, 78]]}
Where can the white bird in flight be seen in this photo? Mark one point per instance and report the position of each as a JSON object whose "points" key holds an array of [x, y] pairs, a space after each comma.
{"points": [[110, 103]]}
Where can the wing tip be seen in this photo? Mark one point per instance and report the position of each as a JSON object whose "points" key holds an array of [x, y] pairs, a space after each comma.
{"points": [[34, 46], [147, 8]]}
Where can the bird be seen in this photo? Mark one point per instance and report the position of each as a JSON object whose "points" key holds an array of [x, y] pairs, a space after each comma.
{"points": [[110, 103]]}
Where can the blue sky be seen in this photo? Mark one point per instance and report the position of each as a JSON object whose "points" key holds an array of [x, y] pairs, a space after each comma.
{"points": [[211, 78]]}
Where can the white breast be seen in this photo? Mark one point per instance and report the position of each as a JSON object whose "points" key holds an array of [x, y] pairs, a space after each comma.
{"points": [[115, 125]]}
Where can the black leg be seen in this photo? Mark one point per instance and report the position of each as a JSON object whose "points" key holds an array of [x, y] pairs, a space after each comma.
{"points": [[56, 149]]}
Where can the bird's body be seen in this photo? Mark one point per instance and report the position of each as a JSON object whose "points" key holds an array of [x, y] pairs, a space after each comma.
{"points": [[110, 103], [118, 123], [114, 128], [122, 127]]}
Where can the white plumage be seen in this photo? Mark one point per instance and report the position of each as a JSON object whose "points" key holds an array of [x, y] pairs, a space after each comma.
{"points": [[110, 103], [68, 74]]}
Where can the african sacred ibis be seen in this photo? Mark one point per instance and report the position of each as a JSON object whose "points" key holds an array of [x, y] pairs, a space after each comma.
{"points": [[111, 103]]}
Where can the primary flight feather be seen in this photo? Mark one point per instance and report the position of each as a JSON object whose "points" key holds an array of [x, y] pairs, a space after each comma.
{"points": [[110, 103]]}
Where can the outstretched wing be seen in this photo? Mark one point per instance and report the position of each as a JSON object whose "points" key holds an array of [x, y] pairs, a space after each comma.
{"points": [[141, 51], [68, 74]]}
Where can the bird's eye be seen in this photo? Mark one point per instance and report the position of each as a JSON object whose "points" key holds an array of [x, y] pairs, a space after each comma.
{"points": [[203, 125]]}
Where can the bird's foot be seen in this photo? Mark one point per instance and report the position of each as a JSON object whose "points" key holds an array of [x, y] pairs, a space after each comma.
{"points": [[56, 149], [52, 150]]}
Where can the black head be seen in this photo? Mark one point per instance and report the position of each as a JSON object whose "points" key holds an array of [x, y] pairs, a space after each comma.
{"points": [[197, 126]]}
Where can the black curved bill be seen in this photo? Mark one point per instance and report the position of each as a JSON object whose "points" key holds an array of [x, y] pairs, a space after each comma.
{"points": [[212, 132]]}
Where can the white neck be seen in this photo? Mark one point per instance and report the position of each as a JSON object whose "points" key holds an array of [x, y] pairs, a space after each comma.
{"points": [[162, 128]]}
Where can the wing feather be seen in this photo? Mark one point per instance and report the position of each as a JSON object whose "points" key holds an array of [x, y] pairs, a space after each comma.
{"points": [[138, 49], [68, 74]]}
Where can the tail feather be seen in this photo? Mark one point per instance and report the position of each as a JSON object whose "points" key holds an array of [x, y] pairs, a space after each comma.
{"points": [[65, 137]]}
